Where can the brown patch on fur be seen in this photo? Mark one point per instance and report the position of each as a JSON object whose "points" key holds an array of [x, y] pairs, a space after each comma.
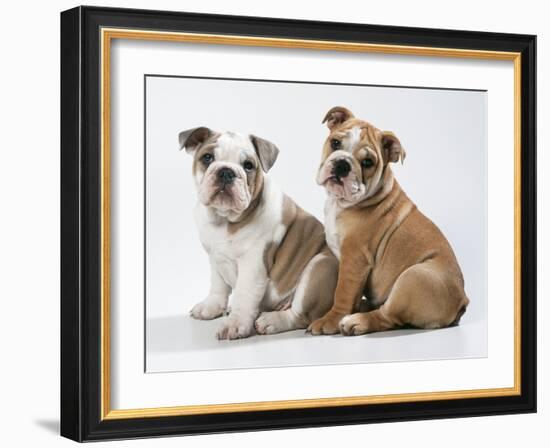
{"points": [[319, 295], [269, 256], [208, 146], [266, 151], [290, 209], [304, 238]]}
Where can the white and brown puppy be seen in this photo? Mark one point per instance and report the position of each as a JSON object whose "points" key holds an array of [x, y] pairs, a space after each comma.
{"points": [[389, 252], [264, 249]]}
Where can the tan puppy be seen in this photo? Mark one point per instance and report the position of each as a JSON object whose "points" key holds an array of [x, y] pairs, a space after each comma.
{"points": [[389, 252]]}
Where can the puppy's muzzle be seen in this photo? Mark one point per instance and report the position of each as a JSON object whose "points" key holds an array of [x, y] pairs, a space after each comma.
{"points": [[340, 168], [226, 176]]}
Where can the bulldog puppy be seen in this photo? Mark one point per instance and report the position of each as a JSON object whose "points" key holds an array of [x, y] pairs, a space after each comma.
{"points": [[264, 249], [389, 252]]}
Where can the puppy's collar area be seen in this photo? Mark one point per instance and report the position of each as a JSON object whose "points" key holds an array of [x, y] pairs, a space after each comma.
{"points": [[385, 186]]}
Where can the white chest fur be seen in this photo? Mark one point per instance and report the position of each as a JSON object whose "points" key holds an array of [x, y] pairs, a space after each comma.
{"points": [[226, 250], [332, 210]]}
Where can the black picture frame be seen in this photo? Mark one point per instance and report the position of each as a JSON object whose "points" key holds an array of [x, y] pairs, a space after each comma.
{"points": [[81, 224]]}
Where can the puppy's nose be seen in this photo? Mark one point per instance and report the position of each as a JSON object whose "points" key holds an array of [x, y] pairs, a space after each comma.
{"points": [[226, 175], [341, 168]]}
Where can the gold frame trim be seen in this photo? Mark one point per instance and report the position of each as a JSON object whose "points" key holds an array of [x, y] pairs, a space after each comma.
{"points": [[107, 35]]}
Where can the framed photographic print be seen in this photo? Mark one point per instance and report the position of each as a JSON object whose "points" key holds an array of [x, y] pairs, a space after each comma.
{"points": [[272, 223]]}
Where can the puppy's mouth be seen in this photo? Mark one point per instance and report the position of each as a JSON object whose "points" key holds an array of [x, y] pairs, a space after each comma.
{"points": [[341, 185], [223, 192], [348, 185], [223, 189], [225, 198], [332, 179]]}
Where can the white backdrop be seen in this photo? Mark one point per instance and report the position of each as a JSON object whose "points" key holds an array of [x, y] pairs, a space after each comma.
{"points": [[30, 242], [445, 173]]}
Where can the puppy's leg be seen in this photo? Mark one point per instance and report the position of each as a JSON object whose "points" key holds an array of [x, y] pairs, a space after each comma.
{"points": [[422, 296], [247, 296], [353, 272], [312, 298], [216, 302]]}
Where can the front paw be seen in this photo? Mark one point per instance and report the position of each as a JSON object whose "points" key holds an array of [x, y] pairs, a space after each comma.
{"points": [[328, 324], [354, 324], [207, 309], [235, 327]]}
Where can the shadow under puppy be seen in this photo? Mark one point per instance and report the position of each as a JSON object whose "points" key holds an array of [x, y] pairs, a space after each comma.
{"points": [[263, 248], [389, 252]]}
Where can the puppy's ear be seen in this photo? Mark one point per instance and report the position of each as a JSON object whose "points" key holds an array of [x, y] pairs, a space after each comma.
{"points": [[336, 116], [193, 138], [267, 152], [391, 148]]}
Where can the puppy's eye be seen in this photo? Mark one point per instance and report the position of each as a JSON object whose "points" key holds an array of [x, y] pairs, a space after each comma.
{"points": [[367, 163], [335, 144], [248, 166], [207, 159]]}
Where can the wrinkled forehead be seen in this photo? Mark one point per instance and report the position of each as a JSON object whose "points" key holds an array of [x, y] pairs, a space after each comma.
{"points": [[234, 147], [356, 133]]}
